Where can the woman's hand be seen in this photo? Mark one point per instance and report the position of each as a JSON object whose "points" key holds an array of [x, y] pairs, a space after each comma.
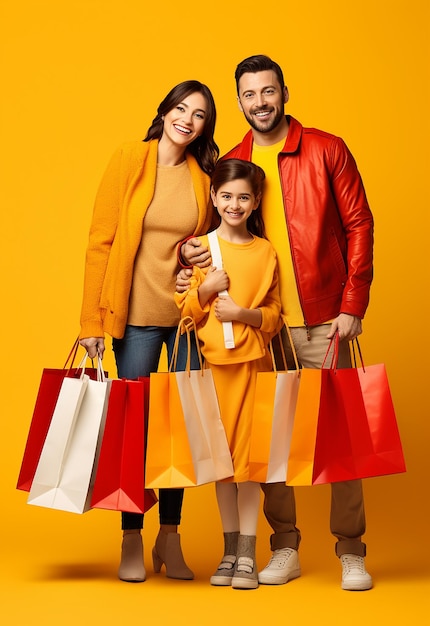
{"points": [[183, 280], [95, 346]]}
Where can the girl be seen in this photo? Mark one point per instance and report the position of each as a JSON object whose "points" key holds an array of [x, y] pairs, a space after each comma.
{"points": [[152, 195], [253, 307]]}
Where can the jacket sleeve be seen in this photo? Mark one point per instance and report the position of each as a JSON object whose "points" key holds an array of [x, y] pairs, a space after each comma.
{"points": [[102, 231], [357, 222]]}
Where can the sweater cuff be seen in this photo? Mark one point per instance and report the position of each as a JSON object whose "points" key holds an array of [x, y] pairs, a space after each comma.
{"points": [[181, 261]]}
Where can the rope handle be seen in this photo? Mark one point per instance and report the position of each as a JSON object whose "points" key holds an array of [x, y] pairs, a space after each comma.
{"points": [[80, 370], [186, 325], [282, 350]]}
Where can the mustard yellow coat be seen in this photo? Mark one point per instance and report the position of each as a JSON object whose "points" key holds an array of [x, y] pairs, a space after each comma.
{"points": [[125, 192]]}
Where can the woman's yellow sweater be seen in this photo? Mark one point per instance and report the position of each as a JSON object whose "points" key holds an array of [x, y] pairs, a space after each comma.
{"points": [[125, 192]]}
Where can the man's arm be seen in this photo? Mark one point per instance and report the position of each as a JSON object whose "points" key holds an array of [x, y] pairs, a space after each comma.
{"points": [[357, 221], [191, 253]]}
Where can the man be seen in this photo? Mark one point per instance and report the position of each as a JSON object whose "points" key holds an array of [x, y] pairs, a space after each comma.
{"points": [[317, 218]]}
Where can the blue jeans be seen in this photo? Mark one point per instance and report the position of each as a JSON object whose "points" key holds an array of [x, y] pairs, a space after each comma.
{"points": [[138, 354]]}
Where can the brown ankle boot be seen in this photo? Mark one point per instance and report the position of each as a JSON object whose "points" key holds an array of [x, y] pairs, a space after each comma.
{"points": [[168, 550], [131, 568], [245, 573], [225, 571]]}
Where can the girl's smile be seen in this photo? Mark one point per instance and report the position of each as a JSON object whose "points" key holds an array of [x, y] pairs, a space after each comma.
{"points": [[234, 201]]}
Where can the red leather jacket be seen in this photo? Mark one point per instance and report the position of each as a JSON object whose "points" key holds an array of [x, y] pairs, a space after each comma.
{"points": [[329, 222]]}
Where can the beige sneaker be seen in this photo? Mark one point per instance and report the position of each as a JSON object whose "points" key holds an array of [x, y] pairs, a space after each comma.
{"points": [[282, 567], [354, 574]]}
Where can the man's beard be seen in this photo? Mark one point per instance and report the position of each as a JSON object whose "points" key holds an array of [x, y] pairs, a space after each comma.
{"points": [[264, 127]]}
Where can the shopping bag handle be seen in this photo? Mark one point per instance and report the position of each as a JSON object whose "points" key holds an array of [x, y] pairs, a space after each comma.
{"points": [[72, 356], [80, 370], [354, 349], [355, 346], [334, 341], [272, 354], [281, 345], [186, 325]]}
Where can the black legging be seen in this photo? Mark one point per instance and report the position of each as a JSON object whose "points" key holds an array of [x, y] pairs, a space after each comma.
{"points": [[169, 508], [138, 354]]}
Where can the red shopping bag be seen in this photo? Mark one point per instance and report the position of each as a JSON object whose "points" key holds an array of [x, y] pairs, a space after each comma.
{"points": [[49, 389], [357, 435], [345, 426], [119, 482]]}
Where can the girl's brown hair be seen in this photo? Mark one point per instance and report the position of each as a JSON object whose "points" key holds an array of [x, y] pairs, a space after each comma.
{"points": [[235, 169]]}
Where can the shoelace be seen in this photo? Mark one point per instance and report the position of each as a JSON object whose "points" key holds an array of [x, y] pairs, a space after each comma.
{"points": [[280, 557], [353, 562]]}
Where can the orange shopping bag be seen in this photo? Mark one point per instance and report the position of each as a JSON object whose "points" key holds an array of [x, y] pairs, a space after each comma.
{"points": [[187, 444], [304, 434]]}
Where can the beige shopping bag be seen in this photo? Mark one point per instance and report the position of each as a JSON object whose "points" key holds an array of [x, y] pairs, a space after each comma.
{"points": [[187, 444]]}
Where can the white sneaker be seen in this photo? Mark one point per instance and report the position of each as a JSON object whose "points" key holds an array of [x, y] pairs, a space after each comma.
{"points": [[354, 574], [282, 567]]}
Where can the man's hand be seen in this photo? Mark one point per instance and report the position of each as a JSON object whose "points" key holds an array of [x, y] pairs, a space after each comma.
{"points": [[348, 327], [193, 253]]}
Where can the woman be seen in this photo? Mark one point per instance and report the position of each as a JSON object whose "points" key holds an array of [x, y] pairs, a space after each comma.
{"points": [[152, 195]]}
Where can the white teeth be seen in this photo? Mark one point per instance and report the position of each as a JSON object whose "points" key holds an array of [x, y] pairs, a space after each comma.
{"points": [[182, 129]]}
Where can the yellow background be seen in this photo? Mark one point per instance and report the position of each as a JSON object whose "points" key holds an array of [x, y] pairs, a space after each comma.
{"points": [[78, 79]]}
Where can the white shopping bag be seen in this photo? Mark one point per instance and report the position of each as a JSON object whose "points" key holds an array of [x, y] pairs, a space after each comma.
{"points": [[66, 469]]}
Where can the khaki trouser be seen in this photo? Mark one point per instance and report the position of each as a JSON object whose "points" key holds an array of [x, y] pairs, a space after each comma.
{"points": [[347, 518]]}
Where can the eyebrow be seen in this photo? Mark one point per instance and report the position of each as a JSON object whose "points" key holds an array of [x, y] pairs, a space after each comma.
{"points": [[188, 106], [262, 88]]}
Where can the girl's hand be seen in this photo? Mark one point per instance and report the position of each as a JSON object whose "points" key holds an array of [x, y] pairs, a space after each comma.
{"points": [[216, 280], [226, 309]]}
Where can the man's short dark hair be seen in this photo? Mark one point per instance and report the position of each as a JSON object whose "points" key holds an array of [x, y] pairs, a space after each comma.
{"points": [[258, 63]]}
